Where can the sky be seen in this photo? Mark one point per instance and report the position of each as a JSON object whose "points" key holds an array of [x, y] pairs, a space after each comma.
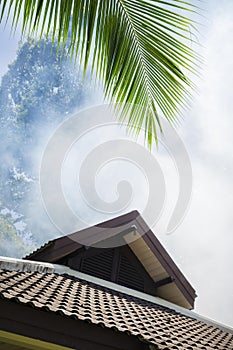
{"points": [[202, 244]]}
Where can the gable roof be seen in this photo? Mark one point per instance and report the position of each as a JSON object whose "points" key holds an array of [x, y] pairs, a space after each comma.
{"points": [[129, 229], [71, 297]]}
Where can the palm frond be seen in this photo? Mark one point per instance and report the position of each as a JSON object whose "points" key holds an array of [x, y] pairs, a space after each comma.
{"points": [[139, 49]]}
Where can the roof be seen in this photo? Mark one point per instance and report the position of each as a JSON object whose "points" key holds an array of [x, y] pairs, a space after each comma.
{"points": [[79, 299], [128, 229]]}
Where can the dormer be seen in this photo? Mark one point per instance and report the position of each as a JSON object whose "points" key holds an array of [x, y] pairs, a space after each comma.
{"points": [[124, 251]]}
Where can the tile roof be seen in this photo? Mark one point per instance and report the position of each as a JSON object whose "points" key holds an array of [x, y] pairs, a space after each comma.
{"points": [[79, 299]]}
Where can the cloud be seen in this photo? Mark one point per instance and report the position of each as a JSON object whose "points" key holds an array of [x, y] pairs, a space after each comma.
{"points": [[9, 42]]}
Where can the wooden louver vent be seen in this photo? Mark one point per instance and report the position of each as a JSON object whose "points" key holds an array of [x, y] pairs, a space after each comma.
{"points": [[128, 276], [114, 265], [99, 265]]}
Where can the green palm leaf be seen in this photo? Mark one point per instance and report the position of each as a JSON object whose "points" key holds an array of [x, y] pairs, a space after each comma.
{"points": [[140, 50]]}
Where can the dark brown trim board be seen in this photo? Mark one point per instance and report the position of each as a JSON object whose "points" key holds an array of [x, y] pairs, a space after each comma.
{"points": [[61, 330]]}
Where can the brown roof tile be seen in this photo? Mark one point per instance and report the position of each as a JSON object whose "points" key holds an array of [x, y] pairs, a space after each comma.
{"points": [[76, 298]]}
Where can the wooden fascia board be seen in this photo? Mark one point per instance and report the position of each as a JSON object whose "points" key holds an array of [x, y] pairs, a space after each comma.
{"points": [[66, 245], [59, 329]]}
